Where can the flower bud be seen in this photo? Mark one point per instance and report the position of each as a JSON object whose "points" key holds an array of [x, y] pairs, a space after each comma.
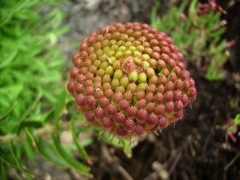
{"points": [[130, 79]]}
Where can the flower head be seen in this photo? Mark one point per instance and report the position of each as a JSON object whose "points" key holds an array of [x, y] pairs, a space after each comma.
{"points": [[130, 79]]}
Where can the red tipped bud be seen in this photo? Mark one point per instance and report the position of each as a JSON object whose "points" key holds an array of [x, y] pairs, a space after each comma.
{"points": [[121, 131], [163, 122], [107, 122], [112, 110], [131, 111], [152, 119], [89, 116], [129, 125], [99, 113], [140, 130]]}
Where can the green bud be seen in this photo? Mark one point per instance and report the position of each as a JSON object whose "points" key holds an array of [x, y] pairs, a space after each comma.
{"points": [[112, 59], [104, 65], [150, 72], [116, 65], [146, 64], [122, 48], [115, 83], [142, 87], [137, 53], [127, 44], [137, 60], [133, 76], [110, 53], [109, 70], [127, 53], [132, 48], [146, 57], [117, 74], [119, 54], [114, 47], [142, 78], [124, 81], [132, 87]]}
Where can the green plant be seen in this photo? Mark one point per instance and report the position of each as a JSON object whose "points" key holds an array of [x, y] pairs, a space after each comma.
{"points": [[197, 34], [32, 90], [130, 80]]}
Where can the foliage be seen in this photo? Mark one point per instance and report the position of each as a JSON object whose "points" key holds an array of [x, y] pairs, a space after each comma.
{"points": [[197, 35], [33, 95]]}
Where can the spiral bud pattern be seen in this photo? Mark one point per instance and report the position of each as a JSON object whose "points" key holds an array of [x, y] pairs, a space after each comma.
{"points": [[130, 79]]}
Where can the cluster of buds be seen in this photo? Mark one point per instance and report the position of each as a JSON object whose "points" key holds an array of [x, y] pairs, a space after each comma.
{"points": [[130, 79]]}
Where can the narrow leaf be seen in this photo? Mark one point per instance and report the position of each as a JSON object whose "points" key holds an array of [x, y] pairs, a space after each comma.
{"points": [[60, 104], [3, 171], [28, 111], [81, 151], [30, 145], [5, 157], [6, 61], [19, 163], [49, 153], [69, 159]]}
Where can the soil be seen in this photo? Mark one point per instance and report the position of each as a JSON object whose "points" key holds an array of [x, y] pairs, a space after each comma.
{"points": [[196, 147]]}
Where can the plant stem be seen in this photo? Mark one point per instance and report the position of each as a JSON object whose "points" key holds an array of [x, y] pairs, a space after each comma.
{"points": [[41, 132]]}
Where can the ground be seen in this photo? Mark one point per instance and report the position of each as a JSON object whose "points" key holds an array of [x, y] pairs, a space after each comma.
{"points": [[196, 147]]}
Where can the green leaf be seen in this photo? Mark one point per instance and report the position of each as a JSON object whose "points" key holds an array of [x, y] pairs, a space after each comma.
{"points": [[81, 151], [60, 105], [221, 46], [48, 152], [182, 6], [6, 61], [19, 162], [7, 112], [3, 171], [48, 95], [127, 149], [49, 116], [217, 33], [213, 74], [237, 119], [192, 11], [30, 124], [51, 77], [12, 91], [27, 112], [70, 159], [28, 150], [7, 158], [29, 145]]}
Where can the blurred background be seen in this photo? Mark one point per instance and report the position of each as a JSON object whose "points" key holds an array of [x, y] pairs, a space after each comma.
{"points": [[43, 137]]}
